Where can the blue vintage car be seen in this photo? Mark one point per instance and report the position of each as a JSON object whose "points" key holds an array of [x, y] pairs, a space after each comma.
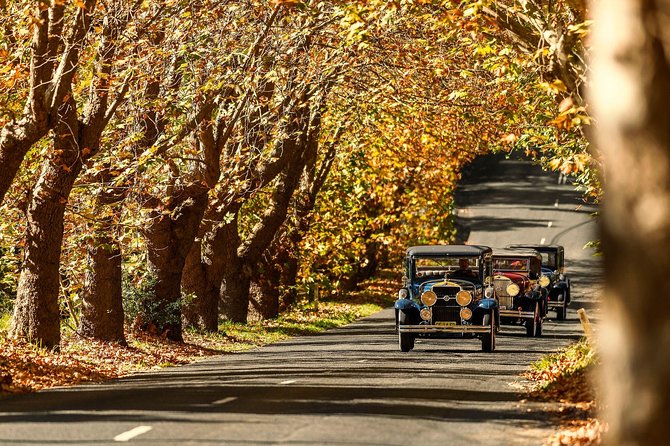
{"points": [[447, 294], [553, 267]]}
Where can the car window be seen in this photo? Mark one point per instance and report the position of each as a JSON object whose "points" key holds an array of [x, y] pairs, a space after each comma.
{"points": [[549, 260], [510, 264], [438, 266]]}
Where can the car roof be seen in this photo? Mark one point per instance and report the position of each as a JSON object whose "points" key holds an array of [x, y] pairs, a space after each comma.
{"points": [[452, 250], [536, 247], [507, 252]]}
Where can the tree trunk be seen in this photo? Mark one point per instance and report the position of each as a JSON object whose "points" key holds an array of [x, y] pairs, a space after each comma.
{"points": [[102, 298], [170, 237], [205, 267], [235, 292], [102, 307], [202, 307], [36, 315], [631, 46], [264, 294]]}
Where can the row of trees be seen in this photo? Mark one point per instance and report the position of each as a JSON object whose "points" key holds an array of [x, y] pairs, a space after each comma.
{"points": [[204, 158]]}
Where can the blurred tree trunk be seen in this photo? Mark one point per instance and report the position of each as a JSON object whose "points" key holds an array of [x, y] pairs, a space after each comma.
{"points": [[631, 90]]}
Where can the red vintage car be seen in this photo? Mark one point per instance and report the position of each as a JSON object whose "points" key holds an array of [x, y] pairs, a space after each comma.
{"points": [[520, 288]]}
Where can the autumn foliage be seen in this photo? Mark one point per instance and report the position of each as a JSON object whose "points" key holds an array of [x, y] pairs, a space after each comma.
{"points": [[206, 161]]}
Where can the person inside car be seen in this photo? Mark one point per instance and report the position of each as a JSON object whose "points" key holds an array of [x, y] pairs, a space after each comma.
{"points": [[464, 271]]}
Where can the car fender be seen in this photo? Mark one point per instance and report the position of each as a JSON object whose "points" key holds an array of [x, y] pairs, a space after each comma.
{"points": [[562, 285], [406, 305], [483, 307], [487, 304]]}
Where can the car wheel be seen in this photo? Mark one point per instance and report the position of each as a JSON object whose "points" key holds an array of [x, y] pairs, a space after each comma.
{"points": [[534, 325], [489, 339], [562, 311], [405, 340]]}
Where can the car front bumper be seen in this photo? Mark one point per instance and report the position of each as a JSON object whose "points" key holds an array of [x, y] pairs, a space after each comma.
{"points": [[444, 328], [517, 314]]}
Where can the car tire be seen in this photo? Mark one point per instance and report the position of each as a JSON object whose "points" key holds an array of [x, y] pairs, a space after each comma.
{"points": [[489, 339], [562, 311], [405, 340], [534, 326]]}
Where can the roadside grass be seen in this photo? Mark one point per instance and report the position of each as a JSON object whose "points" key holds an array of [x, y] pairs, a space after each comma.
{"points": [[5, 319], [27, 368], [565, 377]]}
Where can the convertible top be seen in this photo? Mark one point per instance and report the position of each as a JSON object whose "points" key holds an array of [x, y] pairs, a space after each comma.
{"points": [[450, 250]]}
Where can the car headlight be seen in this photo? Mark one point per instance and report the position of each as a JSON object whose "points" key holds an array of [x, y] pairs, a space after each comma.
{"points": [[488, 292], [463, 298], [429, 298], [466, 313], [403, 293], [544, 281], [425, 314], [512, 289]]}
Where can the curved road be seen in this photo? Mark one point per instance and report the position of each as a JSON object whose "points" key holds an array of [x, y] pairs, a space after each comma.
{"points": [[348, 386]]}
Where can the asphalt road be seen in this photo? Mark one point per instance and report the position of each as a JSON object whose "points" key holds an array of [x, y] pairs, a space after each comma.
{"points": [[347, 386]]}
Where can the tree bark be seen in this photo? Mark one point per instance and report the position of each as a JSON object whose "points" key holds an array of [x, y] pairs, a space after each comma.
{"points": [[36, 316], [631, 48], [235, 291], [102, 297], [102, 307], [169, 239]]}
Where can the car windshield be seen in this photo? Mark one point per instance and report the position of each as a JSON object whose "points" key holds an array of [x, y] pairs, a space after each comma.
{"points": [[549, 259], [439, 266], [510, 264]]}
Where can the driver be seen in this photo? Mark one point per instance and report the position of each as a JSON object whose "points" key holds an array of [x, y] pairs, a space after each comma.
{"points": [[464, 270]]}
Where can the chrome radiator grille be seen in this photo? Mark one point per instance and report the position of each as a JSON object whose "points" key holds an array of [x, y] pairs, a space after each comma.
{"points": [[446, 314], [500, 286]]}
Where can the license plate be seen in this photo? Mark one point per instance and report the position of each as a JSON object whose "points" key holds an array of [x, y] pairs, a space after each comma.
{"points": [[445, 323]]}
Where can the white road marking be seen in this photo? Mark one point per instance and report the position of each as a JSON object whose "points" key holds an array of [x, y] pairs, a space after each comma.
{"points": [[363, 360], [556, 203], [542, 241], [132, 433], [225, 400], [550, 224], [290, 381]]}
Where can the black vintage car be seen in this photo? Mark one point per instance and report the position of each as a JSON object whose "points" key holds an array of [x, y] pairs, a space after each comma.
{"points": [[553, 266], [445, 296], [519, 286]]}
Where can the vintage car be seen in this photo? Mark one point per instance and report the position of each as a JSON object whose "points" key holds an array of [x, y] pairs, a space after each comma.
{"points": [[553, 266], [444, 295], [519, 287]]}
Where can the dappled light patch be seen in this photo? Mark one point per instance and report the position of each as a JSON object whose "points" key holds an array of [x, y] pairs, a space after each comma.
{"points": [[27, 368]]}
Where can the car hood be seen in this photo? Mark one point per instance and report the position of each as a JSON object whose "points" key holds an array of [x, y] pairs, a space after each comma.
{"points": [[520, 279]]}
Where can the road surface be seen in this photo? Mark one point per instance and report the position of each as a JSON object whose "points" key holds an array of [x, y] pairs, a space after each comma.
{"points": [[352, 385]]}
